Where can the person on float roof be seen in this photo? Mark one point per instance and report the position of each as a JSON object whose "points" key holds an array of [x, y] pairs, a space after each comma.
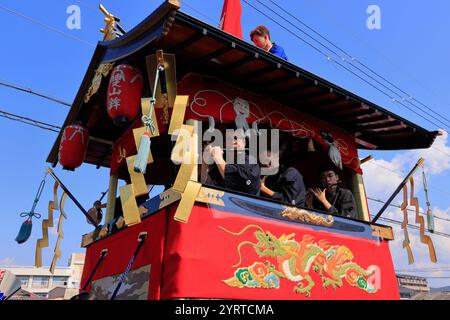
{"points": [[260, 36]]}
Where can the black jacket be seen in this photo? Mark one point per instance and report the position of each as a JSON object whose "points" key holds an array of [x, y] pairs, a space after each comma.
{"points": [[288, 186], [343, 204], [240, 177]]}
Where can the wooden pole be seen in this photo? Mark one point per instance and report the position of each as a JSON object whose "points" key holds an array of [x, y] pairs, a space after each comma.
{"points": [[399, 188], [112, 194]]}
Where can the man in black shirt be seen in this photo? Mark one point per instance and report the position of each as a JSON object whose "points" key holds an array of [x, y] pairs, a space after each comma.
{"points": [[285, 185], [332, 198], [243, 177]]}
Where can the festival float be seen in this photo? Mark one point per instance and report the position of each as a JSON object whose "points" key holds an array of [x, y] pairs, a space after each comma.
{"points": [[195, 241]]}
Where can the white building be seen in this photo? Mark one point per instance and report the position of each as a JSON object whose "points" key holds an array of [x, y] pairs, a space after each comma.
{"points": [[40, 281]]}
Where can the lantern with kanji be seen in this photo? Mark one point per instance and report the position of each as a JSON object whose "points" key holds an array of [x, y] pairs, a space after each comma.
{"points": [[124, 94], [73, 146]]}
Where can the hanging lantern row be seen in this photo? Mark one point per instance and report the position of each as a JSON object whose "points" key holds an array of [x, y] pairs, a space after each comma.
{"points": [[123, 104]]}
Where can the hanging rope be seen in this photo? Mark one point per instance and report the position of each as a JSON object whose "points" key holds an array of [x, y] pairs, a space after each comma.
{"points": [[141, 239], [100, 259], [27, 225]]}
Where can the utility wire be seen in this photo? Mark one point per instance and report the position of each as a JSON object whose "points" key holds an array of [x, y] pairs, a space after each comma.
{"points": [[442, 268], [411, 210], [46, 26], [400, 176], [31, 91], [340, 64], [437, 233], [353, 59], [347, 60], [29, 121], [336, 62], [184, 3], [385, 57]]}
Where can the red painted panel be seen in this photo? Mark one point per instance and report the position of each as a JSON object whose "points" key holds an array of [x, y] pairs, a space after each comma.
{"points": [[201, 260], [121, 247]]}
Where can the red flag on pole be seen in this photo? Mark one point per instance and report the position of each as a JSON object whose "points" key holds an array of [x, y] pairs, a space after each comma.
{"points": [[230, 20]]}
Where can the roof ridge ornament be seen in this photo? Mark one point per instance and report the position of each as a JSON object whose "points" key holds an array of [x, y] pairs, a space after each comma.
{"points": [[112, 23]]}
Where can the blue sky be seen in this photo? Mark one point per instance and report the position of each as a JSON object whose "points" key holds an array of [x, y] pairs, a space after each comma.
{"points": [[410, 50]]}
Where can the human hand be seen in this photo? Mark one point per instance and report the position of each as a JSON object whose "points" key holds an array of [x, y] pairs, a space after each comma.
{"points": [[216, 153], [320, 194], [97, 204]]}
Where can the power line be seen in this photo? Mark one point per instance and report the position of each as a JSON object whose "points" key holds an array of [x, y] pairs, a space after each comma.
{"points": [[329, 58], [330, 18], [197, 11], [96, 10], [438, 233], [31, 91], [411, 210], [399, 175], [46, 26], [353, 59], [29, 121], [426, 269]]}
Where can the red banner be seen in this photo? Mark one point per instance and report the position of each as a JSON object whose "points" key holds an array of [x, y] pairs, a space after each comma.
{"points": [[217, 99], [121, 247], [220, 254], [230, 20]]}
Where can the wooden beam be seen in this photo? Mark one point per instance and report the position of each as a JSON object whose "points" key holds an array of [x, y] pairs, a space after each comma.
{"points": [[212, 55]]}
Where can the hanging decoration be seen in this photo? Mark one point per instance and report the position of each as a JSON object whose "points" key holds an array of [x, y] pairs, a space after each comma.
{"points": [[421, 221], [27, 225], [73, 146], [124, 94], [102, 72], [406, 243], [333, 151], [46, 223], [430, 217], [57, 251]]}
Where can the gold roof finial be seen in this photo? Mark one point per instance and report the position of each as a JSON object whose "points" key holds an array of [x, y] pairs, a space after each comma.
{"points": [[112, 22]]}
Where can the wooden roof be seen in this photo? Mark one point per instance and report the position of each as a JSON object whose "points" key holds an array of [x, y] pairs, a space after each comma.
{"points": [[204, 49]]}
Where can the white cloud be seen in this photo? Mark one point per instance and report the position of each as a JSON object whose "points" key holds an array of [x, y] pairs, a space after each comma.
{"points": [[381, 179], [8, 261], [437, 158]]}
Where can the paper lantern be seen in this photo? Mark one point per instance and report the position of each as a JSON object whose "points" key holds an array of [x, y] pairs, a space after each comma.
{"points": [[73, 146], [124, 94]]}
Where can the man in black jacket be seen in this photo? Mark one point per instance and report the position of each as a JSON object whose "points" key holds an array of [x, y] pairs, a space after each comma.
{"points": [[332, 198], [242, 176]]}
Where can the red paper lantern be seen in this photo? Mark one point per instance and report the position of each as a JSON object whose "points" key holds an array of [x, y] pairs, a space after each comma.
{"points": [[73, 146], [124, 94]]}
